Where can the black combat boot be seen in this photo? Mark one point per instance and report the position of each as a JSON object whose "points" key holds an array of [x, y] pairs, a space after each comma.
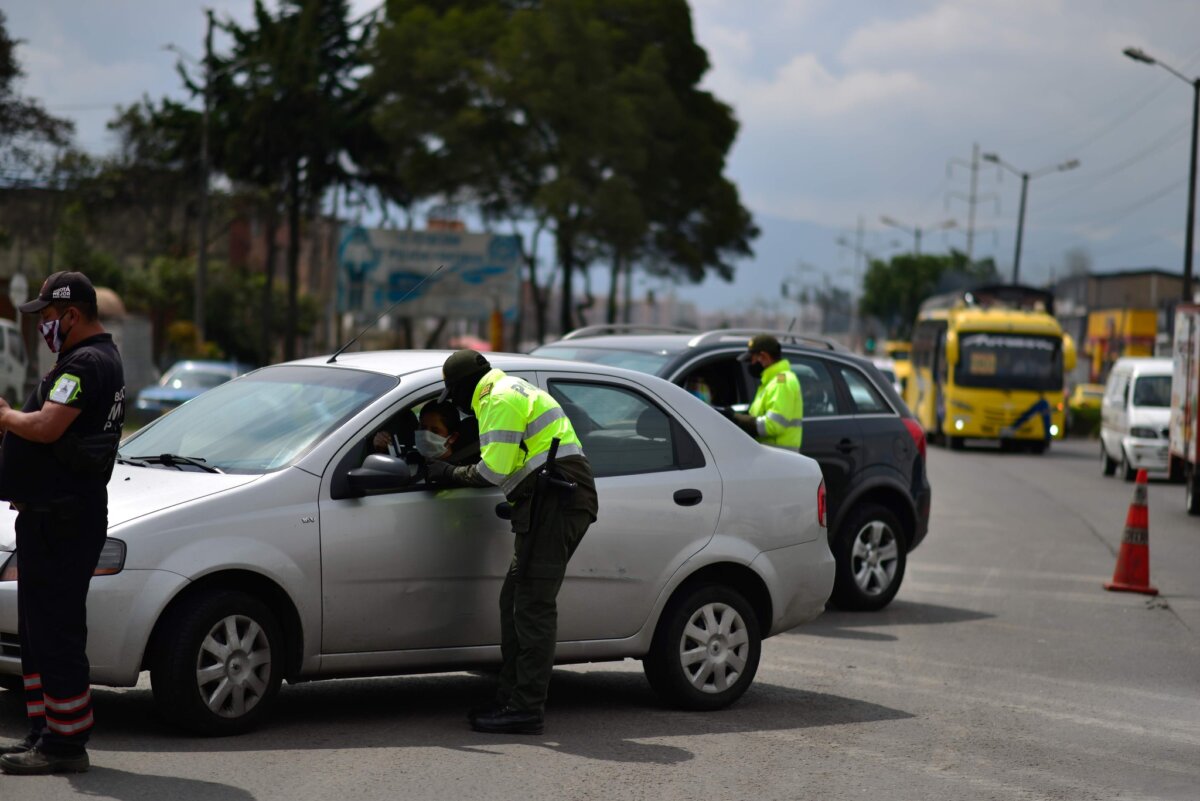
{"points": [[509, 720]]}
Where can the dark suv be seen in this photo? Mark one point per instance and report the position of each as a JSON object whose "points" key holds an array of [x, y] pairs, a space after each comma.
{"points": [[870, 447]]}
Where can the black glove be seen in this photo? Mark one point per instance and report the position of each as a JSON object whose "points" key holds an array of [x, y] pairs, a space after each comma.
{"points": [[437, 472], [725, 412]]}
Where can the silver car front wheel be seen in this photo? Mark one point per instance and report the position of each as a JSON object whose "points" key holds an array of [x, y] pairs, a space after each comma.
{"points": [[217, 662]]}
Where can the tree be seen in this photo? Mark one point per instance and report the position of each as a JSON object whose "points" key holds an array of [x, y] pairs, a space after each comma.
{"points": [[290, 115], [25, 125], [582, 114], [894, 290]]}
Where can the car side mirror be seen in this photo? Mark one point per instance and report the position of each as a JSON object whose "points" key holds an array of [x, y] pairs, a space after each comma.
{"points": [[381, 473]]}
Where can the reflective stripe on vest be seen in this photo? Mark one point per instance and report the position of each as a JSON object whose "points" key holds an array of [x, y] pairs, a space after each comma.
{"points": [[517, 423]]}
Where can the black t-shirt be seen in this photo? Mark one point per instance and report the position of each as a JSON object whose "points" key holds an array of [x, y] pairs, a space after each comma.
{"points": [[88, 377]]}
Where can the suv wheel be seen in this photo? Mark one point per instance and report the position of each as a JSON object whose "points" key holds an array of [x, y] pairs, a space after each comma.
{"points": [[218, 664], [1107, 463], [871, 557], [706, 648]]}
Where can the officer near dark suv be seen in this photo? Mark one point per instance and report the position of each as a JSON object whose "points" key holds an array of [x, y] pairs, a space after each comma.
{"points": [[775, 416]]}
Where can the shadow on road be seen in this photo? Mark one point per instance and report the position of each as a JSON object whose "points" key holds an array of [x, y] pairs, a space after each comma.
{"points": [[603, 715], [848, 625], [125, 786]]}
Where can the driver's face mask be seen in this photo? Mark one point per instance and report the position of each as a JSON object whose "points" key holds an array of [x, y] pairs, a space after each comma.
{"points": [[430, 445], [51, 331]]}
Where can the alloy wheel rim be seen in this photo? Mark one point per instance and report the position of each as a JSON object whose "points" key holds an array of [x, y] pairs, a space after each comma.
{"points": [[233, 667], [874, 557], [714, 648]]}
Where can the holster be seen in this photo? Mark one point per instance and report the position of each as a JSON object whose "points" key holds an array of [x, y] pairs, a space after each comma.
{"points": [[552, 491]]}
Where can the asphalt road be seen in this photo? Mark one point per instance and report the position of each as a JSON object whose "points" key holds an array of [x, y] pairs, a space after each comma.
{"points": [[1002, 671]]}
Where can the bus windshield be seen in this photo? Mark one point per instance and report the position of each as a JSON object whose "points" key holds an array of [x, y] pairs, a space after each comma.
{"points": [[1009, 361]]}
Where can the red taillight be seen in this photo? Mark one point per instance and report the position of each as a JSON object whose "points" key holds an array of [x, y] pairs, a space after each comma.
{"points": [[822, 505], [918, 434]]}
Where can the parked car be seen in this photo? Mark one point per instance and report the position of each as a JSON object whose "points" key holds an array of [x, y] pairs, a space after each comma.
{"points": [[248, 544], [1135, 417], [13, 363], [183, 381], [1083, 409], [870, 447]]}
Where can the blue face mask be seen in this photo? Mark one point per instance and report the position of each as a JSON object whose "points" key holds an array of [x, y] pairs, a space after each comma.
{"points": [[702, 394]]}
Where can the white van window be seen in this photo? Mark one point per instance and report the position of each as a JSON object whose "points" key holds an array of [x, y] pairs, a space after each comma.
{"points": [[1152, 390]]}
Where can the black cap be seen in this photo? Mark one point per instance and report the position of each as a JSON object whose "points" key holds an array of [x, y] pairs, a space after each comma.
{"points": [[463, 365], [762, 343], [63, 286]]}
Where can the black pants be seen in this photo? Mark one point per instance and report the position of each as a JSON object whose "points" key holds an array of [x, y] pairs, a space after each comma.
{"points": [[58, 547]]}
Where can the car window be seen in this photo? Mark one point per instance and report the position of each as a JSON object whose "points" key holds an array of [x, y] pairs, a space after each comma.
{"points": [[723, 378], [641, 361], [1152, 390], [816, 387], [866, 398], [621, 430]]}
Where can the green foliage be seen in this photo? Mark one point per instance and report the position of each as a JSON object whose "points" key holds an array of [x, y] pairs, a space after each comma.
{"points": [[586, 114], [894, 290]]}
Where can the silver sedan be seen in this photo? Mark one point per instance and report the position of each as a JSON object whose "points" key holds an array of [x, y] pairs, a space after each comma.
{"points": [[255, 535]]}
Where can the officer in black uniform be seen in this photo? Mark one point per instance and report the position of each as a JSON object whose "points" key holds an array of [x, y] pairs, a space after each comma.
{"points": [[55, 461]]}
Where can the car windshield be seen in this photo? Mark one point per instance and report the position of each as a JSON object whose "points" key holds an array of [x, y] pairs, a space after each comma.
{"points": [[640, 360], [1152, 390], [194, 378], [1009, 361], [263, 421]]}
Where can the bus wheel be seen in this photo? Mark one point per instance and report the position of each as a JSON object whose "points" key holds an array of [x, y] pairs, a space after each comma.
{"points": [[955, 443], [1192, 488]]}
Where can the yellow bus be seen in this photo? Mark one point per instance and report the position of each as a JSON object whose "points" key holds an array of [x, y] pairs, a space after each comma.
{"points": [[900, 352], [988, 363]]}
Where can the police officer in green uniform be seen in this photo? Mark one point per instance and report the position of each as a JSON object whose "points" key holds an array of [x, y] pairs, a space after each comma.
{"points": [[776, 415], [520, 428]]}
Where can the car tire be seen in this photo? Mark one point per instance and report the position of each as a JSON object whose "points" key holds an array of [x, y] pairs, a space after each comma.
{"points": [[1128, 473], [202, 684], [11, 682], [1107, 464], [1038, 448], [871, 554], [1192, 490], [706, 648]]}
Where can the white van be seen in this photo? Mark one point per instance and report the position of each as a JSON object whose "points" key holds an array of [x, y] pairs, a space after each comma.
{"points": [[1134, 417], [13, 362]]}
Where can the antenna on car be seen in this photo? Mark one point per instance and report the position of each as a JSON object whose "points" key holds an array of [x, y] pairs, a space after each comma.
{"points": [[403, 298]]}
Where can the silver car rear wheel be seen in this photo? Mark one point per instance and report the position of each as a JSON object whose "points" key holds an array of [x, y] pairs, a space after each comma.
{"points": [[706, 648]]}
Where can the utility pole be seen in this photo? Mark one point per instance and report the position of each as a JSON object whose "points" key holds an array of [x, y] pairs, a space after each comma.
{"points": [[973, 199], [202, 223]]}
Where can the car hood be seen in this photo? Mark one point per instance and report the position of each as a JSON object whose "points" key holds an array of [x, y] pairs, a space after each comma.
{"points": [[1149, 416], [137, 491]]}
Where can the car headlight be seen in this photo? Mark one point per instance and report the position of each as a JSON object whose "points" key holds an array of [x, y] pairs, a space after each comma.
{"points": [[112, 561], [1143, 433]]}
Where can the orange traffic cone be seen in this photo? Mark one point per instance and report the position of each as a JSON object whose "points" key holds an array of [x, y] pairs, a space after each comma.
{"points": [[1132, 573]]}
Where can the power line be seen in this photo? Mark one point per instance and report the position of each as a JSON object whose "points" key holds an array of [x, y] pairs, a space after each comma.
{"points": [[1124, 211]]}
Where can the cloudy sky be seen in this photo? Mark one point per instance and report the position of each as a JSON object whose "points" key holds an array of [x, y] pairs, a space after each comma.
{"points": [[850, 109]]}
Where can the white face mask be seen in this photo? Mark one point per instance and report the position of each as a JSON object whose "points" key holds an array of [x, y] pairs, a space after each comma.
{"points": [[430, 445]]}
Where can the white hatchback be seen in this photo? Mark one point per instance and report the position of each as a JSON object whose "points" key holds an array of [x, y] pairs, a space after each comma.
{"points": [[248, 545]]}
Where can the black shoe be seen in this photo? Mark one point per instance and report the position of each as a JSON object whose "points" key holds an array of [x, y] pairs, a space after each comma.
{"points": [[482, 710], [21, 746], [36, 762], [509, 720]]}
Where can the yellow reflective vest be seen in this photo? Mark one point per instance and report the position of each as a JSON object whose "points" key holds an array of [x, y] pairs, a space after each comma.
{"points": [[778, 408], [517, 423]]}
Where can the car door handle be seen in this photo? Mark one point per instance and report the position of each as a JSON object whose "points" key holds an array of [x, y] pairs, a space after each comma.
{"points": [[688, 497], [847, 445]]}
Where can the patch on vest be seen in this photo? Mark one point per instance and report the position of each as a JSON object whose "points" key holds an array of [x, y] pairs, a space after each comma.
{"points": [[487, 390], [66, 389], [781, 379]]}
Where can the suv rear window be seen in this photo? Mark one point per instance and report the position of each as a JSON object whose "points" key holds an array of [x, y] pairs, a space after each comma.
{"points": [[866, 398]]}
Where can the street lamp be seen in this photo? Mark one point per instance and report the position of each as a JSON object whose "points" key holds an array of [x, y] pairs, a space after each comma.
{"points": [[1025, 176], [1189, 246], [917, 230]]}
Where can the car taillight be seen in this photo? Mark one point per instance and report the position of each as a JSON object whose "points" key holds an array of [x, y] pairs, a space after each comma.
{"points": [[917, 433], [822, 505]]}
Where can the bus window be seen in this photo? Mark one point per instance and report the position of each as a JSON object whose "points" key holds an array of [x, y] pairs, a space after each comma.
{"points": [[1016, 361]]}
